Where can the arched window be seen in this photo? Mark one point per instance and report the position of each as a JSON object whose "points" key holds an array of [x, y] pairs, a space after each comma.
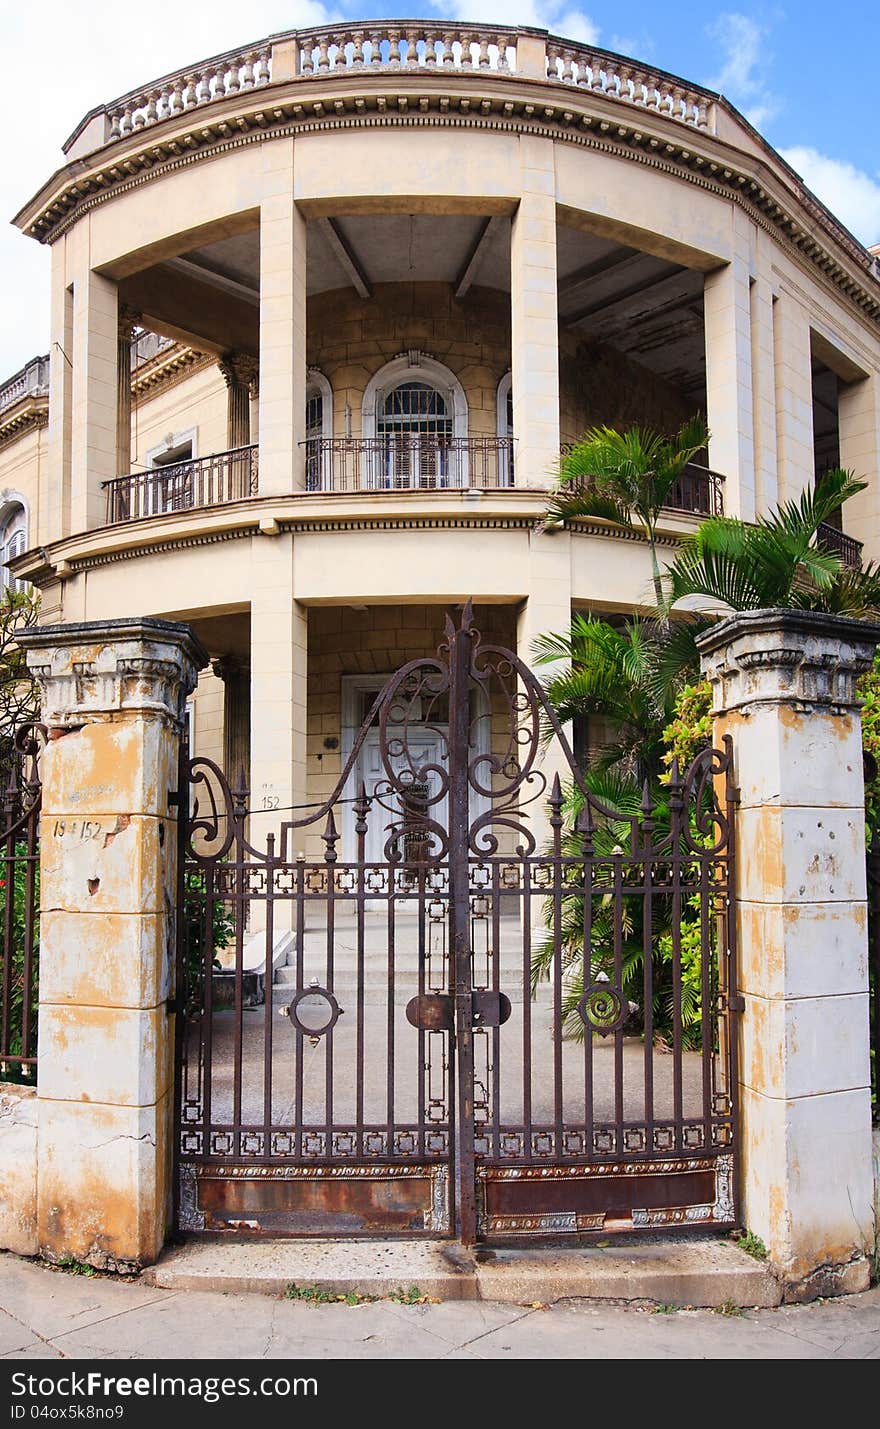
{"points": [[13, 541], [504, 429], [415, 425], [319, 431]]}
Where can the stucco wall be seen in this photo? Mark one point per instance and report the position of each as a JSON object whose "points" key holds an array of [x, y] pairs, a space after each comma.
{"points": [[18, 1168]]}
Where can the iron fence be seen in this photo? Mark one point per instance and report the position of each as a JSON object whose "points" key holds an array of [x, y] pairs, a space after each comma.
{"points": [[19, 905], [207, 481], [407, 461], [846, 547]]}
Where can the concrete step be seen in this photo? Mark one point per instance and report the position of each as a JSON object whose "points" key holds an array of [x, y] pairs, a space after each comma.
{"points": [[664, 1271]]}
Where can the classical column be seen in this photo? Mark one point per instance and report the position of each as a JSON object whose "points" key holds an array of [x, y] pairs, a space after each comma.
{"points": [[547, 610], [795, 459], [240, 373], [763, 393], [127, 321], [727, 319], [235, 673], [113, 697], [534, 319], [94, 397], [279, 653], [282, 326], [783, 685], [858, 412], [54, 506]]}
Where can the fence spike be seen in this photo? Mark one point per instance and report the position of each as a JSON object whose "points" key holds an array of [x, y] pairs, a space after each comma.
{"points": [[330, 837]]}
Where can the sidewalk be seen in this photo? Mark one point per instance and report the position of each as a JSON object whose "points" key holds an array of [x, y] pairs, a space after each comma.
{"points": [[47, 1314]]}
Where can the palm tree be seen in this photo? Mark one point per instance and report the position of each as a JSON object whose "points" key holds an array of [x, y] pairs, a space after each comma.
{"points": [[613, 673], [778, 561], [626, 478]]}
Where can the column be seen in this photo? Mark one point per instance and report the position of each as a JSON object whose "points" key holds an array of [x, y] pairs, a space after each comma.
{"points": [[127, 321], [547, 610], [783, 686], [858, 414], [763, 394], [240, 374], [533, 318], [279, 652], [795, 461], [94, 397], [727, 318], [282, 326], [54, 477], [113, 697], [235, 673]]}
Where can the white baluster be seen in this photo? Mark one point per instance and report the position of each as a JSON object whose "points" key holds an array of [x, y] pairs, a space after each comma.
{"points": [[447, 56], [115, 129], [323, 56], [203, 88], [483, 59], [430, 49], [219, 88], [152, 112], [247, 73], [261, 68], [467, 59], [357, 53], [307, 64], [394, 48]]}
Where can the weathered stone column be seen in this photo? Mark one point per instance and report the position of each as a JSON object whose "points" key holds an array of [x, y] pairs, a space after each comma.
{"points": [[113, 695], [94, 396], [240, 374], [236, 676], [795, 460], [282, 326], [783, 687]]}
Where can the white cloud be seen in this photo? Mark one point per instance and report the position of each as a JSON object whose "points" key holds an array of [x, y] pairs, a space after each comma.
{"points": [[745, 63], [851, 194], [71, 57]]}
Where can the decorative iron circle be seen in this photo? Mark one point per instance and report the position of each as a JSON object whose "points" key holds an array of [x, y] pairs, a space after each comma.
{"points": [[602, 1008], [314, 1011]]}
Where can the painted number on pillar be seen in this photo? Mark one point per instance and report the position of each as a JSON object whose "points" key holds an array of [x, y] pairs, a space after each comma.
{"points": [[80, 829]]}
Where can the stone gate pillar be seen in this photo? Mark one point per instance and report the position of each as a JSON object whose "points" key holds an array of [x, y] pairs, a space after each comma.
{"points": [[113, 695], [783, 686]]}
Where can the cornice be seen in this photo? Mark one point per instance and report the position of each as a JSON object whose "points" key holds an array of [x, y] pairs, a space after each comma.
{"points": [[72, 564], [512, 106], [166, 369], [25, 416]]}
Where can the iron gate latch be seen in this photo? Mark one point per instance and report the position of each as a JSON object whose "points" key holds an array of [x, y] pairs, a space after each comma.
{"points": [[435, 1011]]}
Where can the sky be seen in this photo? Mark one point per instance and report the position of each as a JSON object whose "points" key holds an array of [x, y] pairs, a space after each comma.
{"points": [[802, 71]]}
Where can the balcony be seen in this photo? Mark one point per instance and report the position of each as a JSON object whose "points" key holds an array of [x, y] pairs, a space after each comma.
{"points": [[698, 491], [408, 461], [846, 547], [405, 462], [207, 481]]}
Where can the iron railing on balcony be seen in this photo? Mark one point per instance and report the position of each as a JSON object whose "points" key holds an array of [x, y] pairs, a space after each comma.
{"points": [[846, 547], [206, 481], [407, 461], [698, 491]]}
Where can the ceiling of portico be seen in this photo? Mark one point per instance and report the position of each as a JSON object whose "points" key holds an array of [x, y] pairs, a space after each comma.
{"points": [[645, 306]]}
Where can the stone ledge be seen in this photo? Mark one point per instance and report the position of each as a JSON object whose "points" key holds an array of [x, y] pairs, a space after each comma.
{"points": [[668, 1271]]}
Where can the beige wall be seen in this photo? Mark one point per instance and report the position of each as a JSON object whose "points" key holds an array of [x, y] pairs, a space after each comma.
{"points": [[22, 462]]}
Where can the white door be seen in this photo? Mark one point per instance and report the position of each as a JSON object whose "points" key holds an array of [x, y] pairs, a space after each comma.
{"points": [[425, 746]]}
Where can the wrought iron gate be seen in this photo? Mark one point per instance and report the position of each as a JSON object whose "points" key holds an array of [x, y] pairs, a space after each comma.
{"points": [[479, 1035]]}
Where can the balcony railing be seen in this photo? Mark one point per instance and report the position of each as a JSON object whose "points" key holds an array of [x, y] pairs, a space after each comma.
{"points": [[698, 491], [207, 481], [846, 547], [407, 462]]}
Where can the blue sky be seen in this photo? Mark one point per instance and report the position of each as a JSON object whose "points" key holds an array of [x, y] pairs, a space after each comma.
{"points": [[804, 73]]}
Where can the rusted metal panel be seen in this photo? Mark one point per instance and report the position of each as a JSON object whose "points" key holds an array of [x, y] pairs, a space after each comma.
{"points": [[300, 1201]]}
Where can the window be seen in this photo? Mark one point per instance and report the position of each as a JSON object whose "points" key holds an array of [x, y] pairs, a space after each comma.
{"points": [[415, 425], [13, 541], [172, 488], [504, 429], [319, 432]]}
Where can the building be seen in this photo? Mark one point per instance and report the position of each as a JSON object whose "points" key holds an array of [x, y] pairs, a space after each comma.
{"points": [[324, 311]]}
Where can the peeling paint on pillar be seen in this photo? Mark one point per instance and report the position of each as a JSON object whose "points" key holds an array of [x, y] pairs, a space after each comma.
{"points": [[783, 687], [113, 696]]}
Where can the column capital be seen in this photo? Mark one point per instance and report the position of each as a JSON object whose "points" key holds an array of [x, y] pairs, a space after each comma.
{"points": [[240, 369], [128, 319], [781, 656], [93, 669], [228, 667]]}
